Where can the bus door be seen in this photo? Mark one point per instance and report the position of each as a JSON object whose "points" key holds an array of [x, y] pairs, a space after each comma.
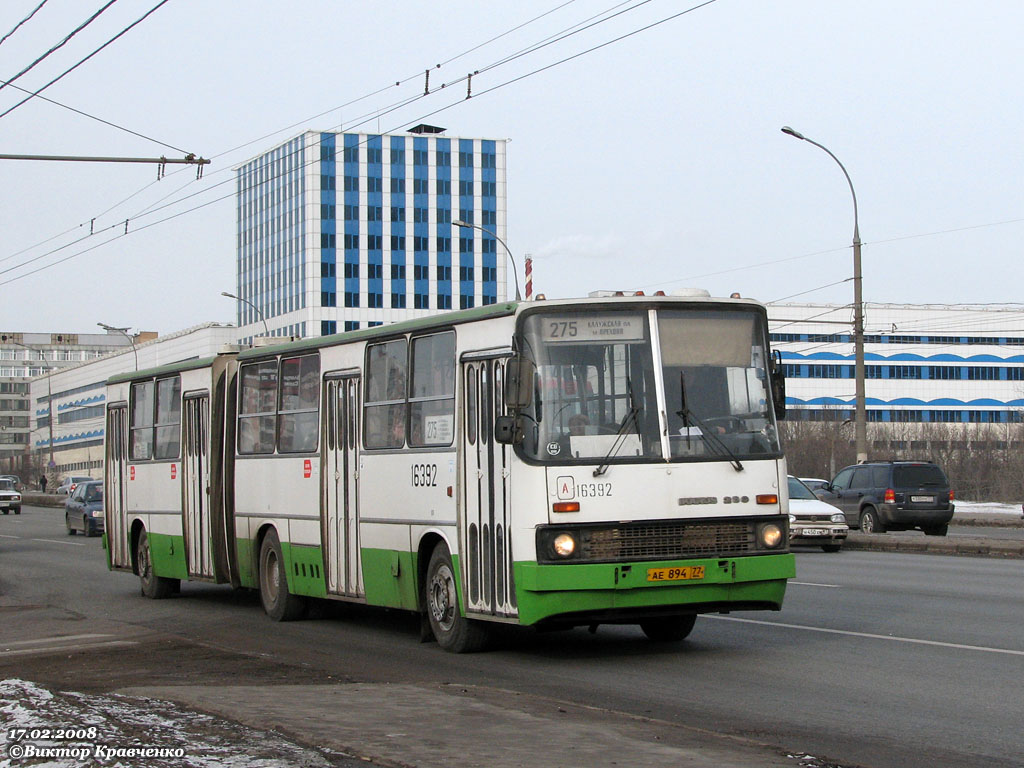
{"points": [[340, 477], [485, 536], [195, 486], [115, 493]]}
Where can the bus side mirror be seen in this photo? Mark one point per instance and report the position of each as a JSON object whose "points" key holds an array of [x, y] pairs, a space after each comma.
{"points": [[508, 430], [519, 375], [778, 378]]}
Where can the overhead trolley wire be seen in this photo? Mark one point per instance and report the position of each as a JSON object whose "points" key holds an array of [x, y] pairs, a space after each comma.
{"points": [[75, 66], [23, 21], [362, 119], [59, 45], [316, 160], [93, 117]]}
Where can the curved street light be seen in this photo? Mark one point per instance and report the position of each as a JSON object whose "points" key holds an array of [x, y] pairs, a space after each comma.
{"points": [[123, 332], [266, 328], [515, 273], [860, 410]]}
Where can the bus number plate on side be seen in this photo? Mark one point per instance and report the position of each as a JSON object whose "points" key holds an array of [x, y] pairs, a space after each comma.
{"points": [[686, 573]]}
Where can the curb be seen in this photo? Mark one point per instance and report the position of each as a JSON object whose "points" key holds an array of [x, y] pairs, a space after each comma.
{"points": [[936, 545]]}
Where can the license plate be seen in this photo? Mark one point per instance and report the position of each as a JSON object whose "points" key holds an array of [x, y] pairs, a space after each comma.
{"points": [[923, 499], [685, 573], [813, 532]]}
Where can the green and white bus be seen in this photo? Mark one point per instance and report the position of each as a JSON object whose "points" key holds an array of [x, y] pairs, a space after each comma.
{"points": [[543, 463]]}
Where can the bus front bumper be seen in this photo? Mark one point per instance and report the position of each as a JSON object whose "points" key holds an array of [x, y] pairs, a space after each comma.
{"points": [[573, 595]]}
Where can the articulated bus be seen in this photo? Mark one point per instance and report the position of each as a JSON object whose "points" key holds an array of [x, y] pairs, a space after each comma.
{"points": [[545, 463]]}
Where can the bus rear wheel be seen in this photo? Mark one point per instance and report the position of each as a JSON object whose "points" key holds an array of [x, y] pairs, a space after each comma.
{"points": [[278, 602], [453, 631], [668, 629], [154, 587]]}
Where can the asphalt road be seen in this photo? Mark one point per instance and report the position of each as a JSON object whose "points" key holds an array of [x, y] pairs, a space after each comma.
{"points": [[878, 659]]}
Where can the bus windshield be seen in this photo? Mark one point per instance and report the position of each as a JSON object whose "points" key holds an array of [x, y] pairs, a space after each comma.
{"points": [[635, 384]]}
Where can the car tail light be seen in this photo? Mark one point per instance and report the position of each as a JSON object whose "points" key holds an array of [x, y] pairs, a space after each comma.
{"points": [[951, 494], [890, 496]]}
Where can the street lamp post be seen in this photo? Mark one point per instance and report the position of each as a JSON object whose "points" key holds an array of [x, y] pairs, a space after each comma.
{"points": [[515, 273], [123, 332], [266, 328], [860, 410]]}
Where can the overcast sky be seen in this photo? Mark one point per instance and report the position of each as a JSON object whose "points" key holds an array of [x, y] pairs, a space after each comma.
{"points": [[653, 162]]}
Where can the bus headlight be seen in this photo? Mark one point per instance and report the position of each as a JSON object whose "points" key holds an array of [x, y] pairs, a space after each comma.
{"points": [[771, 536], [564, 545]]}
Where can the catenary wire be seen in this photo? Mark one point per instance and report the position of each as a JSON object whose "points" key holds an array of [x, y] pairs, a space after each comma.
{"points": [[92, 117], [59, 45], [378, 114], [23, 21], [82, 61], [516, 79], [281, 130]]}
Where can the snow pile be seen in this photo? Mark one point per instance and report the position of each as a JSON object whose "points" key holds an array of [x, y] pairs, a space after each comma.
{"points": [[122, 723], [986, 508]]}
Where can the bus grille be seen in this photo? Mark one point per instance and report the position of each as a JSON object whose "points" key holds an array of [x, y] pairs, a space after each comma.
{"points": [[667, 541]]}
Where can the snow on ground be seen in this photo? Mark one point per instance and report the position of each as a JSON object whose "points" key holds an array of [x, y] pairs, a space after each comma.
{"points": [[986, 508], [103, 730]]}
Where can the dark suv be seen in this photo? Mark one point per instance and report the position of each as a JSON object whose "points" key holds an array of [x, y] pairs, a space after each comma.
{"points": [[877, 496]]}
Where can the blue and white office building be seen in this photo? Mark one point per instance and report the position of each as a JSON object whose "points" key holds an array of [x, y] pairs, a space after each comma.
{"points": [[339, 231], [924, 364]]}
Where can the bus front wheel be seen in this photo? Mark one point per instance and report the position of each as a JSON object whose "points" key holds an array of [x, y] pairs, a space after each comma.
{"points": [[453, 631], [668, 629], [154, 587], [278, 602]]}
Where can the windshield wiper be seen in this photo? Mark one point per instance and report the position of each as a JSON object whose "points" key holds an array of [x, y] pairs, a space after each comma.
{"points": [[620, 435], [689, 420]]}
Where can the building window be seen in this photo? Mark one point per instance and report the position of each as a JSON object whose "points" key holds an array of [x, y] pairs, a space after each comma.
{"points": [[979, 373]]}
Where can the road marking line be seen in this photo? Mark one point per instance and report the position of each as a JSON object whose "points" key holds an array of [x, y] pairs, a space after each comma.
{"points": [[813, 584], [5, 536], [55, 639], [51, 648], [58, 541], [871, 636]]}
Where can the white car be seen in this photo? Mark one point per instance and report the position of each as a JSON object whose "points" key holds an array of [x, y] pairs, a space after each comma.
{"points": [[68, 485], [812, 521], [10, 499]]}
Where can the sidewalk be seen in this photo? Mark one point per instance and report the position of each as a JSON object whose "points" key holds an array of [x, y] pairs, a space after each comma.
{"points": [[430, 726]]}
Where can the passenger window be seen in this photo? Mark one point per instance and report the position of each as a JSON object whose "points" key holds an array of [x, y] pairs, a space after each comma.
{"points": [[168, 418], [861, 478], [299, 405], [257, 407], [384, 407], [432, 403], [881, 477], [142, 421]]}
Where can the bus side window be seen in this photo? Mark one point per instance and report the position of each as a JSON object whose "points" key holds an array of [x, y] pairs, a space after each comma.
{"points": [[432, 404], [384, 407]]}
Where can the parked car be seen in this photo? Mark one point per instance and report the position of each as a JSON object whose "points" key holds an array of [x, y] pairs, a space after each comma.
{"points": [[877, 496], [812, 521], [67, 485], [83, 511], [10, 499]]}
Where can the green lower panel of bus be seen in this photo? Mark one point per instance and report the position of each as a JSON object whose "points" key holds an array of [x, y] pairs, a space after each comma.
{"points": [[547, 591], [389, 576], [167, 553]]}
